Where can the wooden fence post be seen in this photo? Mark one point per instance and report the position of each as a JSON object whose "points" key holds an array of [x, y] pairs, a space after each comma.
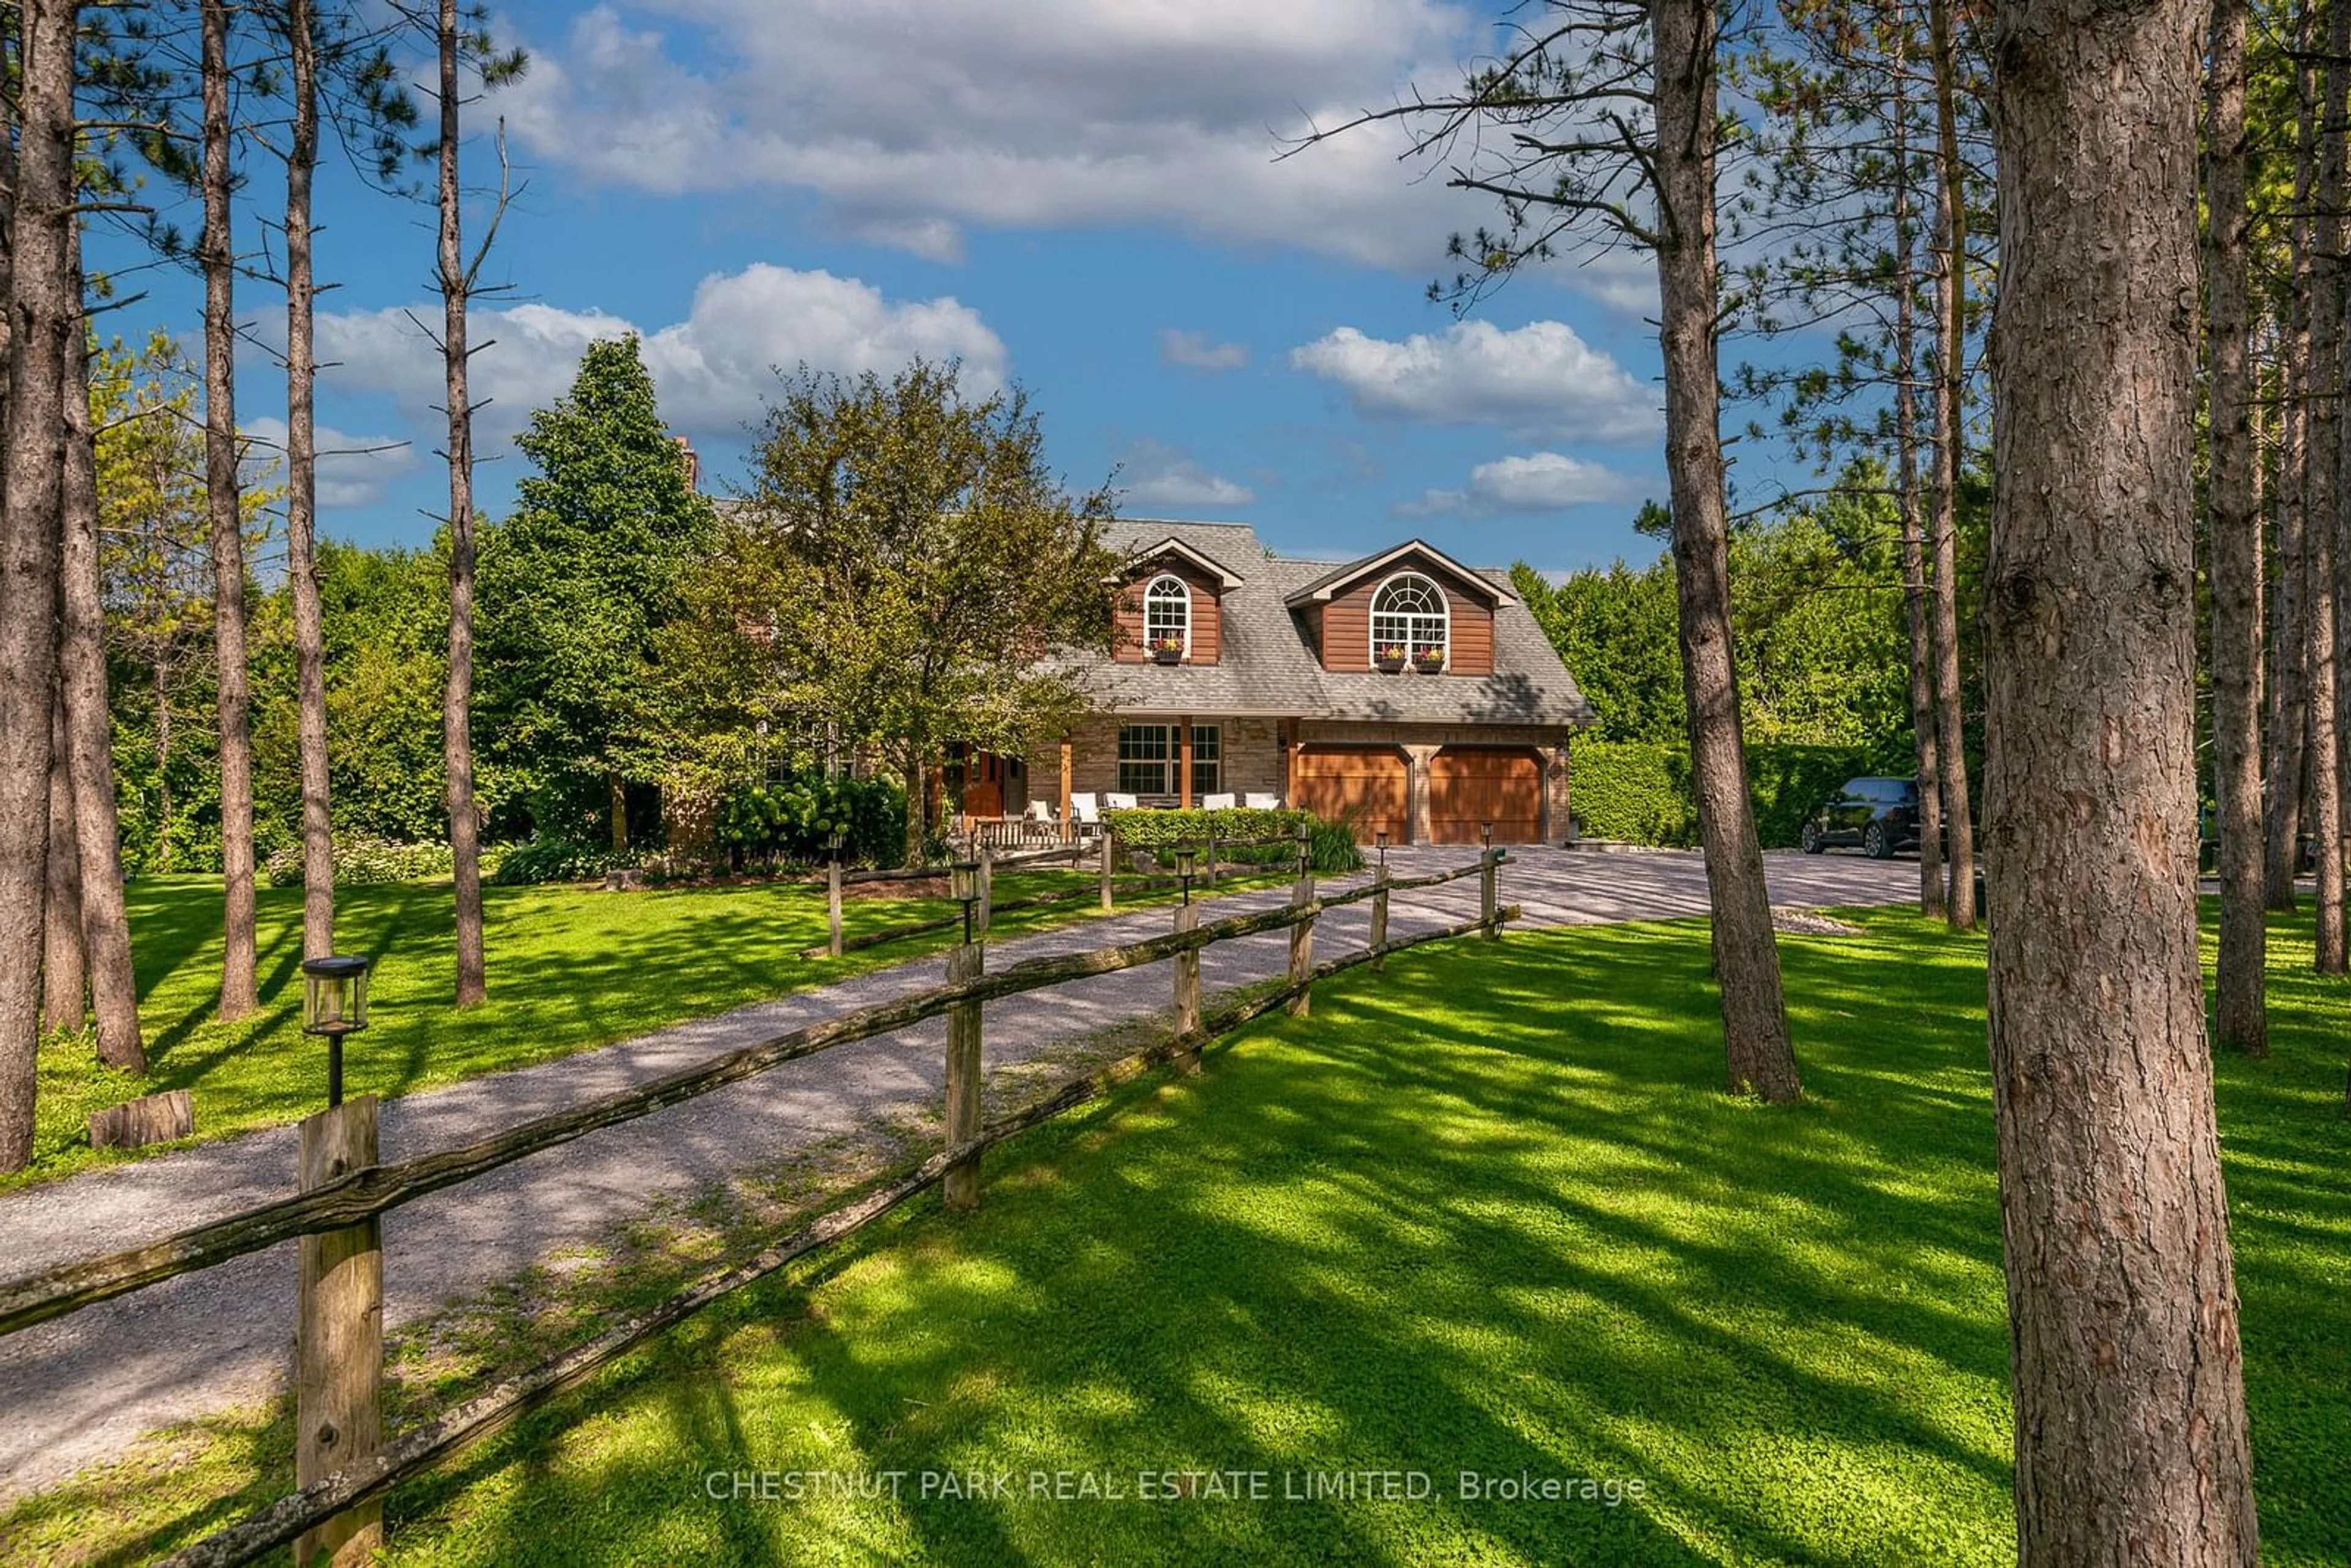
{"points": [[833, 900], [338, 1338], [1486, 905], [961, 1186], [987, 889], [1380, 917], [1187, 988], [1302, 935], [1109, 853]]}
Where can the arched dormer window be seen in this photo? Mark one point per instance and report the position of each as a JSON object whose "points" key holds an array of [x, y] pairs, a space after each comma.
{"points": [[1168, 615], [1409, 611]]}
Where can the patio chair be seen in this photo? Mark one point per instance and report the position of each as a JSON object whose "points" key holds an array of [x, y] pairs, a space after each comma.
{"points": [[1257, 801], [1086, 808], [1116, 802], [1219, 802]]}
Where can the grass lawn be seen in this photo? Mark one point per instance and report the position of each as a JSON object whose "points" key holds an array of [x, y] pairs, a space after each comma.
{"points": [[569, 968], [1486, 1212]]}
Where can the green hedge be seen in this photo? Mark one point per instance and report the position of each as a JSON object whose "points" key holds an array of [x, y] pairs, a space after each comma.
{"points": [[1641, 792], [1632, 791], [1333, 851], [361, 858], [549, 858]]}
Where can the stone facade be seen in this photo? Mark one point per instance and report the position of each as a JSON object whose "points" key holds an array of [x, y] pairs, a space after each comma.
{"points": [[1251, 757]]}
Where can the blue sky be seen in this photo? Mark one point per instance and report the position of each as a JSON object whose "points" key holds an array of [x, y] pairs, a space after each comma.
{"points": [[1080, 194]]}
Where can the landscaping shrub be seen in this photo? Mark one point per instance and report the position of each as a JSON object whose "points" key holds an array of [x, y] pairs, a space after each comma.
{"points": [[1641, 792], [1334, 849], [550, 859], [790, 820], [360, 860], [1333, 843]]}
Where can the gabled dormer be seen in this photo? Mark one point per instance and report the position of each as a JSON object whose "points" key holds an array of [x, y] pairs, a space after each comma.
{"points": [[1387, 612], [1171, 591]]}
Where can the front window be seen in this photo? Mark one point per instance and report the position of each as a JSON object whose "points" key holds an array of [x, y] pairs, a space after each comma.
{"points": [[1207, 752], [1168, 615], [1144, 756], [1409, 612], [1151, 758]]}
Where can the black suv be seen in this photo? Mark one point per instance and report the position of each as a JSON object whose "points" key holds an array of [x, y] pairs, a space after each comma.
{"points": [[1881, 815]]}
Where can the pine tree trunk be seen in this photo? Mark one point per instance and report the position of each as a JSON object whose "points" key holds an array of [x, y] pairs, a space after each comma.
{"points": [[2286, 763], [64, 970], [1914, 552], [456, 714], [1760, 1058], [2130, 1420], [217, 253], [163, 766], [2240, 1022], [2322, 495], [1950, 435], [301, 493], [89, 729], [44, 326]]}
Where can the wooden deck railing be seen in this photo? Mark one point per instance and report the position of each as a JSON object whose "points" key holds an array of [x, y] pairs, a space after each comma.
{"points": [[339, 1370]]}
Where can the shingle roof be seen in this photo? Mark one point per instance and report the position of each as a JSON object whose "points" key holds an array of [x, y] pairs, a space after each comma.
{"points": [[1339, 576], [1268, 663]]}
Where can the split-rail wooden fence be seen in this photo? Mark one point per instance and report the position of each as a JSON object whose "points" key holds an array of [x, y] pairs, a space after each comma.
{"points": [[343, 1467]]}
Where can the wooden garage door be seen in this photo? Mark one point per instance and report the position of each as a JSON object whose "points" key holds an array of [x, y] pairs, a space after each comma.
{"points": [[1467, 786], [1364, 785]]}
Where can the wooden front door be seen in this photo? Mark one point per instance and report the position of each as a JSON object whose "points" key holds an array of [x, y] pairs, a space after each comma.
{"points": [[983, 786], [1469, 785], [1367, 786]]}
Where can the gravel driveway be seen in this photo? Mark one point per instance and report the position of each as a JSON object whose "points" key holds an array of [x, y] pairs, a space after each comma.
{"points": [[78, 1390]]}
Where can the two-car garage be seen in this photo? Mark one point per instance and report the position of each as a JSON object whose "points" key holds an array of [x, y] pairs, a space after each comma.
{"points": [[1467, 786]]}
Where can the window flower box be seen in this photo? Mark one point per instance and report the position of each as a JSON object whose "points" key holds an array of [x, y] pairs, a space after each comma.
{"points": [[1389, 658], [1166, 650], [1428, 661]]}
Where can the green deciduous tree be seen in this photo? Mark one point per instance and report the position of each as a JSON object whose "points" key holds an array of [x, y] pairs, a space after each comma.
{"points": [[1817, 613], [905, 559]]}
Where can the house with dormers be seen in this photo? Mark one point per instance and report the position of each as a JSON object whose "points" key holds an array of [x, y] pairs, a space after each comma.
{"points": [[1403, 691]]}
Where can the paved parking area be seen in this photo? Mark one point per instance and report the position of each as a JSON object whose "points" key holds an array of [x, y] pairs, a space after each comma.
{"points": [[80, 1389]]}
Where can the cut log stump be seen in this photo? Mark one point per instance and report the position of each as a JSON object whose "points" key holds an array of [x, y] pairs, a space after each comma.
{"points": [[134, 1123]]}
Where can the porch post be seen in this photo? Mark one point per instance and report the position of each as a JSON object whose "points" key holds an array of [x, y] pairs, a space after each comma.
{"points": [[1184, 745], [1417, 829], [1067, 830]]}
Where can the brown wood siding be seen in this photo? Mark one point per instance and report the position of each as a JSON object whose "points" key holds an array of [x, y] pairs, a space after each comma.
{"points": [[1347, 621], [1208, 625], [1368, 786], [1471, 785]]}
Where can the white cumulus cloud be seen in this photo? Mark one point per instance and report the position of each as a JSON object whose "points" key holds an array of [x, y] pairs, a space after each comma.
{"points": [[1197, 352], [712, 369], [1540, 379], [353, 470], [1535, 482], [1153, 474], [910, 119]]}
